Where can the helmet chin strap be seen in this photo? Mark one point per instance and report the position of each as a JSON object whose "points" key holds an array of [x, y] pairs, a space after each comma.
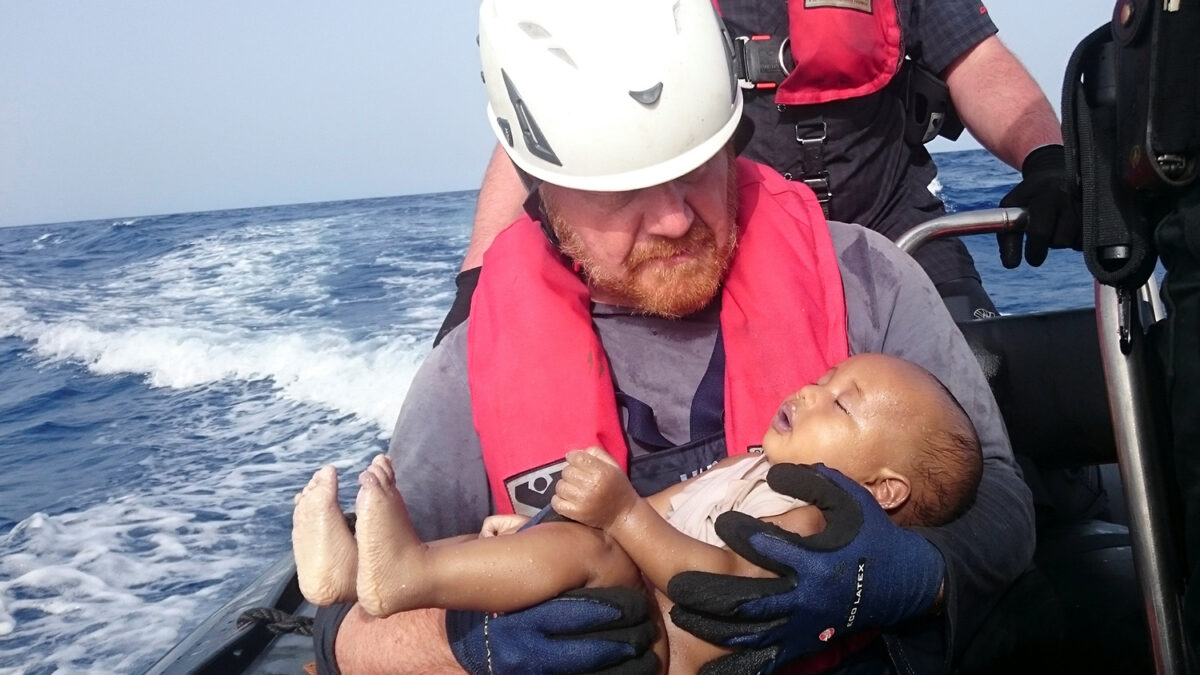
{"points": [[534, 208], [741, 135], [527, 180]]}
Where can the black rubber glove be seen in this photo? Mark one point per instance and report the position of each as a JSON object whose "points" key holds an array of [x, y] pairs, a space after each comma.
{"points": [[860, 572], [591, 630], [1054, 216]]}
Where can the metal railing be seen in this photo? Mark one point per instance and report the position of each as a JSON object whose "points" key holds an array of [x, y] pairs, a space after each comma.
{"points": [[1119, 325], [982, 221]]}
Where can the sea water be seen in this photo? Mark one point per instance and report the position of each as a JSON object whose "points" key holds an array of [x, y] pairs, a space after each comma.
{"points": [[167, 383]]}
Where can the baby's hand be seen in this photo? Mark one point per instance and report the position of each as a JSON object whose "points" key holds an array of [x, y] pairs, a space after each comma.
{"points": [[503, 524], [593, 489]]}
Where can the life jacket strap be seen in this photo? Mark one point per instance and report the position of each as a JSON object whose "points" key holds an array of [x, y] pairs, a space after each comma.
{"points": [[811, 135]]}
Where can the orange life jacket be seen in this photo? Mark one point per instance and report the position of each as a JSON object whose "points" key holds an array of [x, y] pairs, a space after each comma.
{"points": [[539, 378], [841, 49]]}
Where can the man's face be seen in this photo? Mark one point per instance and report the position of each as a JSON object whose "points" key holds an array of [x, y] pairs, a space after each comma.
{"points": [[662, 250]]}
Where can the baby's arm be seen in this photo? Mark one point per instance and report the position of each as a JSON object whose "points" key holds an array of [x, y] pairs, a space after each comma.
{"points": [[593, 490]]}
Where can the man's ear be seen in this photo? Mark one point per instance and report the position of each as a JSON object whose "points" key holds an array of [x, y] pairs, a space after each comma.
{"points": [[890, 489]]}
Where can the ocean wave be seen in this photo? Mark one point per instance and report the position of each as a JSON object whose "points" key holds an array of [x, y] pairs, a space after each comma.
{"points": [[46, 239], [183, 533], [368, 379], [169, 386], [77, 574]]}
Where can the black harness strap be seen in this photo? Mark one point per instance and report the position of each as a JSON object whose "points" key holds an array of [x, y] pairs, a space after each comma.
{"points": [[811, 136], [1116, 244]]}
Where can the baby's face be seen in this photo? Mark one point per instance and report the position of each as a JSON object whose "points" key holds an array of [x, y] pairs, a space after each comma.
{"points": [[860, 415]]}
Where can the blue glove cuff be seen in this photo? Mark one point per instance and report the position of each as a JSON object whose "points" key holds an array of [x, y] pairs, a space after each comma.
{"points": [[462, 629]]}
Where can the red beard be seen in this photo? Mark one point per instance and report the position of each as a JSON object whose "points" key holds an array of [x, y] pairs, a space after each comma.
{"points": [[648, 280]]}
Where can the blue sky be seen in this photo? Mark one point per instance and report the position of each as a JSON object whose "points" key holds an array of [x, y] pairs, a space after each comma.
{"points": [[129, 108]]}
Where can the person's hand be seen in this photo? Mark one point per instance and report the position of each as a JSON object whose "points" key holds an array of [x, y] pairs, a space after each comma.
{"points": [[1054, 217], [494, 526], [860, 572], [593, 489], [583, 631]]}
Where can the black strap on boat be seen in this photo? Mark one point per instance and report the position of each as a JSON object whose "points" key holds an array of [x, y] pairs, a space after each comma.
{"points": [[1130, 104], [276, 620], [1116, 245]]}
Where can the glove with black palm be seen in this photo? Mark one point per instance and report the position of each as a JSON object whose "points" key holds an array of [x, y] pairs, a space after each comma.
{"points": [[862, 571], [1054, 215], [594, 630]]}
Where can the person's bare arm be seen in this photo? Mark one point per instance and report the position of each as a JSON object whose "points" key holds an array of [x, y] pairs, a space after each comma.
{"points": [[1000, 103], [408, 642], [594, 491], [499, 204]]}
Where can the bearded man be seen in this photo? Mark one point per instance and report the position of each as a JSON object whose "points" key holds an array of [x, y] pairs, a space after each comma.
{"points": [[659, 298]]}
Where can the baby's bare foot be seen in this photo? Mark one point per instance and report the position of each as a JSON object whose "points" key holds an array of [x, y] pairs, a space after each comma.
{"points": [[326, 555], [389, 549]]}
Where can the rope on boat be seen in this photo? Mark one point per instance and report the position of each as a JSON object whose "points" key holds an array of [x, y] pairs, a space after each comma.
{"points": [[276, 620]]}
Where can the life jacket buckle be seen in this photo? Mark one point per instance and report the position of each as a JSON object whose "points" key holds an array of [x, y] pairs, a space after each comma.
{"points": [[761, 61], [811, 136]]}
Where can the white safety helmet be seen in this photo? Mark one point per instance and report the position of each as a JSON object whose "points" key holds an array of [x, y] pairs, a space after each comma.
{"points": [[608, 95]]}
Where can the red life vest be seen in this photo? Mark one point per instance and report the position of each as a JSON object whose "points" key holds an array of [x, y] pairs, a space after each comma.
{"points": [[539, 378], [841, 49]]}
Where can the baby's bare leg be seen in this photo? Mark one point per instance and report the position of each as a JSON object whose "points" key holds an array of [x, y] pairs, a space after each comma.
{"points": [[326, 555], [390, 553], [397, 572]]}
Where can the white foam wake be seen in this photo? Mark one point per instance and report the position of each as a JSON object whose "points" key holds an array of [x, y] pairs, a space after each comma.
{"points": [[368, 378], [190, 524]]}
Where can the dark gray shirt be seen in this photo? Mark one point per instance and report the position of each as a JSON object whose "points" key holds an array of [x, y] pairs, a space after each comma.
{"points": [[891, 308]]}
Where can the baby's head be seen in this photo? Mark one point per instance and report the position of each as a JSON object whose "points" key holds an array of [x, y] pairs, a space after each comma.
{"points": [[889, 425]]}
